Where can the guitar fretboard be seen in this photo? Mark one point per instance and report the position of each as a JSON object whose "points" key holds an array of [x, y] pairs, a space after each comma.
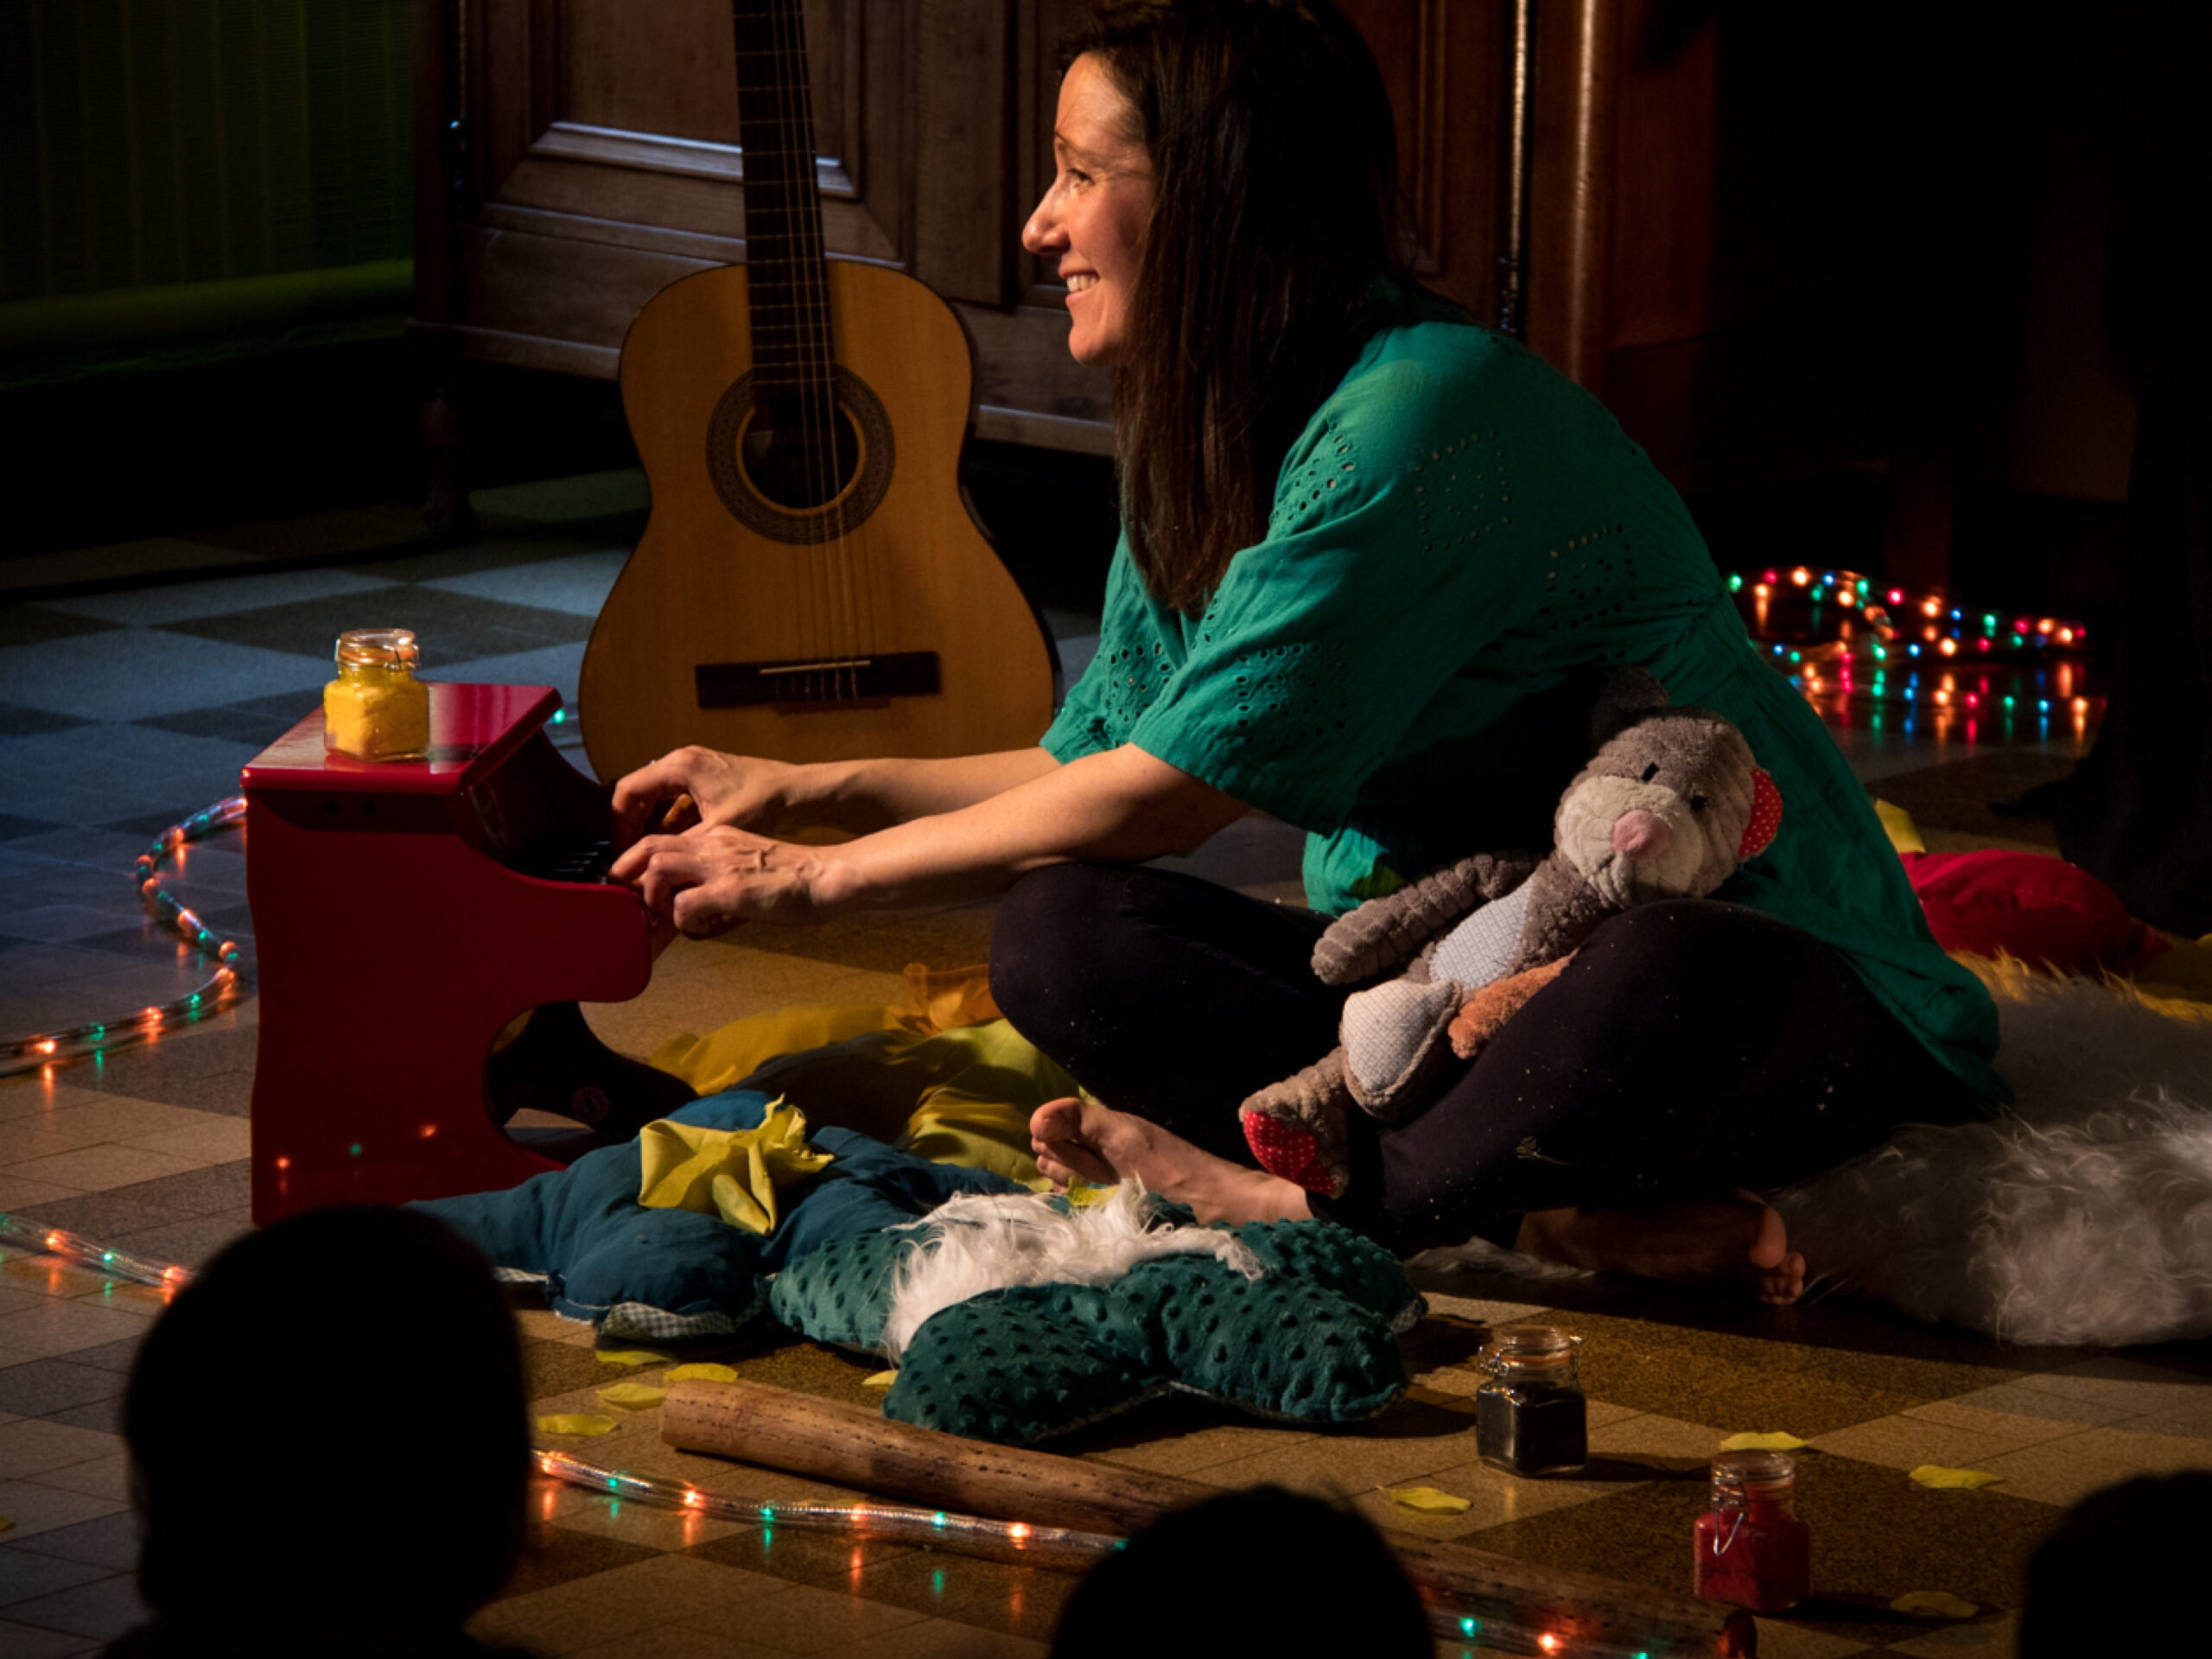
{"points": [[793, 358]]}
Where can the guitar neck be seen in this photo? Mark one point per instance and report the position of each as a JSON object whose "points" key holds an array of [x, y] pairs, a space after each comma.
{"points": [[792, 350]]}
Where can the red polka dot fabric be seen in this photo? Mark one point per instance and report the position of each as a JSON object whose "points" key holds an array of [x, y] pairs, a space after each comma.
{"points": [[1766, 815]]}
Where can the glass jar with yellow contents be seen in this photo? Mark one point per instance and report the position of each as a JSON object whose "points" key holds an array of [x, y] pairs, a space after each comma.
{"points": [[376, 710]]}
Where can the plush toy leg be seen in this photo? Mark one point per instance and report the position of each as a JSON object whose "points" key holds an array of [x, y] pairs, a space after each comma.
{"points": [[1394, 1048], [1496, 1003], [1296, 1128]]}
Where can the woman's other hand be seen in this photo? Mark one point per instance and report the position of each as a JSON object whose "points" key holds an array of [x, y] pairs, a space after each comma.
{"points": [[712, 877], [741, 791]]}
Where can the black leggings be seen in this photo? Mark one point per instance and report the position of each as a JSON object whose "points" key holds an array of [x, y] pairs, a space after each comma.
{"points": [[1690, 1047]]}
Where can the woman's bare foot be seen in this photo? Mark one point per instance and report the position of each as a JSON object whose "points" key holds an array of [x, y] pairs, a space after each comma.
{"points": [[1740, 1238], [1082, 1141]]}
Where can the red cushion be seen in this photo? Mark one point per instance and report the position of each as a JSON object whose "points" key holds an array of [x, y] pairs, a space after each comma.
{"points": [[2031, 905]]}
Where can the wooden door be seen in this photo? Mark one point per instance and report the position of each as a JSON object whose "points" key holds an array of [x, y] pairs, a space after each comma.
{"points": [[575, 157]]}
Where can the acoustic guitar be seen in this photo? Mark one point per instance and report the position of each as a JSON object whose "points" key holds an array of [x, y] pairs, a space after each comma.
{"points": [[810, 585]]}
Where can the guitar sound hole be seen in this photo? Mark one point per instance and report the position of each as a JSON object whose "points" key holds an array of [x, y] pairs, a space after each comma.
{"points": [[799, 457]]}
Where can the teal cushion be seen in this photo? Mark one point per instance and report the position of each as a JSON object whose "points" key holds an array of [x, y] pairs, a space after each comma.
{"points": [[1314, 1339]]}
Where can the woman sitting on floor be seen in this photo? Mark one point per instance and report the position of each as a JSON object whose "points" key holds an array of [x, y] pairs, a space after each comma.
{"points": [[1371, 551]]}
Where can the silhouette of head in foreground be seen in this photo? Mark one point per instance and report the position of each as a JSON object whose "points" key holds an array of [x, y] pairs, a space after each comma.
{"points": [[330, 1448], [1262, 1570], [2120, 1573]]}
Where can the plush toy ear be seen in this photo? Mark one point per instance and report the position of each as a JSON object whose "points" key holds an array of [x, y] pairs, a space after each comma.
{"points": [[1766, 816]]}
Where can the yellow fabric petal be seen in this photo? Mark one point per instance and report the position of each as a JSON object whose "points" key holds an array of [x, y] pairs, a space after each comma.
{"points": [[881, 1380], [630, 1356], [1760, 1443], [946, 999], [718, 1060], [1429, 1500], [733, 1173], [1933, 1474], [575, 1422], [953, 1126], [698, 1373], [6, 1525], [1896, 822], [633, 1396], [1934, 1604], [923, 1076]]}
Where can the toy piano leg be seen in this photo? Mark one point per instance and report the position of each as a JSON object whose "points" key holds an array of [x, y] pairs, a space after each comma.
{"points": [[389, 963]]}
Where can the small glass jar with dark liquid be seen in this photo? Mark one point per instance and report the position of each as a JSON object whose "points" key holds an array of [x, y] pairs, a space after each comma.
{"points": [[1531, 1417]]}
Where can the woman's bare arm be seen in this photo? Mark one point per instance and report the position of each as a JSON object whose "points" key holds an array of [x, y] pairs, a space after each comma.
{"points": [[1121, 805], [775, 797]]}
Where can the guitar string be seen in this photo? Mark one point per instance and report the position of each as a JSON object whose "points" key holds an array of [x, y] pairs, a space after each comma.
{"points": [[819, 417], [825, 473], [861, 645], [816, 416], [755, 25], [823, 637]]}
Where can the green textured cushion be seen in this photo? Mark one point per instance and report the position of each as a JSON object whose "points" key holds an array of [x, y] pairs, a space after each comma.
{"points": [[842, 1293], [1313, 1340]]}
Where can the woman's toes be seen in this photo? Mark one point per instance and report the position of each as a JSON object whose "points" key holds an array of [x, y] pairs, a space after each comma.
{"points": [[1057, 1120], [1055, 1137]]}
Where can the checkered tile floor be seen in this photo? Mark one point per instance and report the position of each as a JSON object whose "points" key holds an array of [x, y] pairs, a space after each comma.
{"points": [[121, 711]]}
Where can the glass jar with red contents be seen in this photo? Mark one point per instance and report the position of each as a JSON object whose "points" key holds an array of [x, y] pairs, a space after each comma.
{"points": [[1751, 1548]]}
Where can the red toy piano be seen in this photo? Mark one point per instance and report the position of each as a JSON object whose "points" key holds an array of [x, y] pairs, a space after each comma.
{"points": [[404, 912]]}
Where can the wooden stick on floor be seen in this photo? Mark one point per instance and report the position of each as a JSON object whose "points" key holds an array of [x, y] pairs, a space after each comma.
{"points": [[849, 1447]]}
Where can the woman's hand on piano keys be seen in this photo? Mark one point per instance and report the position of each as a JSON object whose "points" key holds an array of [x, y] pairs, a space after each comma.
{"points": [[710, 878], [695, 787]]}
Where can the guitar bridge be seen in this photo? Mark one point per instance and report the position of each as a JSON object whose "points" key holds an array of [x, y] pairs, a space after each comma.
{"points": [[818, 685]]}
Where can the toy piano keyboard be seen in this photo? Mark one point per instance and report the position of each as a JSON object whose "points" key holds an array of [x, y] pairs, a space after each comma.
{"points": [[404, 912]]}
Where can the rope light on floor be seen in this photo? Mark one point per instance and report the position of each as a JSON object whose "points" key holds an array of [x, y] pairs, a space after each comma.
{"points": [[890, 1523], [102, 1258], [219, 991]]}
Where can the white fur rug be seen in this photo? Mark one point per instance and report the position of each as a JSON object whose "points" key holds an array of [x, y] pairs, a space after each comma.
{"points": [[2082, 1216], [978, 1243]]}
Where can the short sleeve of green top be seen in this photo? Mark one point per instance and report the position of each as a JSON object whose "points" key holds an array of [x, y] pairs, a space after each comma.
{"points": [[1459, 531]]}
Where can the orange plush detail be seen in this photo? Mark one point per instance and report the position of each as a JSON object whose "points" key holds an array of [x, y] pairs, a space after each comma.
{"points": [[2041, 909], [1478, 1020]]}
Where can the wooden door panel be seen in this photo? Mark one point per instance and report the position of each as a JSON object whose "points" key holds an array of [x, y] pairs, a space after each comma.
{"points": [[607, 138], [674, 77], [1442, 62]]}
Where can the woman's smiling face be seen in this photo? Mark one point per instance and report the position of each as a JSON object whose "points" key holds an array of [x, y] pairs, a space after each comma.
{"points": [[1094, 215]]}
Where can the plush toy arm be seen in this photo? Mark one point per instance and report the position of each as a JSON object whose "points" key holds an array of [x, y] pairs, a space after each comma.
{"points": [[1491, 1007], [1383, 931]]}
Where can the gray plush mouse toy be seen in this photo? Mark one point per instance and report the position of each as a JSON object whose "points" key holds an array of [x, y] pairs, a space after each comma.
{"points": [[1669, 807]]}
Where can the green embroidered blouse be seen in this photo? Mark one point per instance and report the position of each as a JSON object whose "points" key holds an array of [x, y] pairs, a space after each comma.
{"points": [[1459, 536]]}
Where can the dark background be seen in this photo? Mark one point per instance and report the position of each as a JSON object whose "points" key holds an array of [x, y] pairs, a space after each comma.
{"points": [[158, 380]]}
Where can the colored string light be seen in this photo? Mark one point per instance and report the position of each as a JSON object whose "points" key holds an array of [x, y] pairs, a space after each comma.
{"points": [[973, 1535], [75, 1247], [1838, 636], [1501, 1636], [220, 990]]}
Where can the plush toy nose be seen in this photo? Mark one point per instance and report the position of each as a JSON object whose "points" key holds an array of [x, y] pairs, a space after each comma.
{"points": [[1638, 833]]}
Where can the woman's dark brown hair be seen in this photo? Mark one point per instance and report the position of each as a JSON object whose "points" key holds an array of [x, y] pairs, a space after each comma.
{"points": [[1275, 192]]}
